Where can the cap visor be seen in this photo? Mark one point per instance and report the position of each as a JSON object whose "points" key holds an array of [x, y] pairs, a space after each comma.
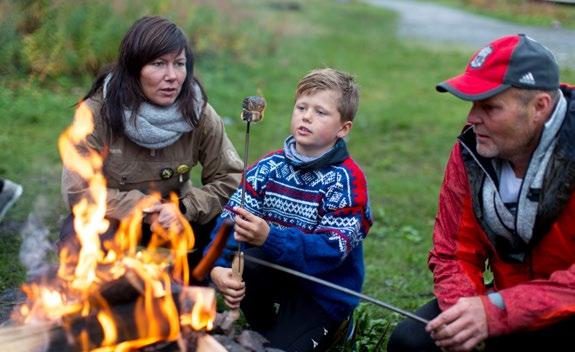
{"points": [[468, 87]]}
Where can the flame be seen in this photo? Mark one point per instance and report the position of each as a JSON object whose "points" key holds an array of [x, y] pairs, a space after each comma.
{"points": [[109, 326], [203, 308], [52, 304], [89, 216], [76, 293]]}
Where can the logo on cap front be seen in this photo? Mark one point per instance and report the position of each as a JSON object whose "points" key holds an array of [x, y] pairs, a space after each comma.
{"points": [[480, 58]]}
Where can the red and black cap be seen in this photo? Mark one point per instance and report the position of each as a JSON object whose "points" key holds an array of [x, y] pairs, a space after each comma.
{"points": [[510, 61]]}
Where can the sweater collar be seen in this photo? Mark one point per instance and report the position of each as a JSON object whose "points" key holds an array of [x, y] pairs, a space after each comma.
{"points": [[337, 154]]}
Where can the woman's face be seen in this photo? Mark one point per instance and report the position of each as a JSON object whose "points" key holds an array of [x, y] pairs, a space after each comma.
{"points": [[161, 79]]}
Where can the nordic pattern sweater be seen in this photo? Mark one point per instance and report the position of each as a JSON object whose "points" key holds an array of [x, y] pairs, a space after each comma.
{"points": [[318, 219]]}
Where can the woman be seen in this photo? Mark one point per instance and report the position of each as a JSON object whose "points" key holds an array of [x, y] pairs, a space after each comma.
{"points": [[153, 123]]}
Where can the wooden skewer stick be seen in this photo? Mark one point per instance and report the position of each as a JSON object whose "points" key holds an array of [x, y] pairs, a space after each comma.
{"points": [[238, 271], [252, 111]]}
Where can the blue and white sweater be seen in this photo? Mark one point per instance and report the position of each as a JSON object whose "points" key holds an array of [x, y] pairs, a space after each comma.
{"points": [[318, 213]]}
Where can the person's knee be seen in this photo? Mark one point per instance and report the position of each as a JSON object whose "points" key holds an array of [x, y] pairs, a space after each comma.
{"points": [[399, 340], [409, 336]]}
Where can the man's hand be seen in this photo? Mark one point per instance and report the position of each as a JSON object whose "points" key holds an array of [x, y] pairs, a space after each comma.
{"points": [[232, 289], [461, 327], [250, 228]]}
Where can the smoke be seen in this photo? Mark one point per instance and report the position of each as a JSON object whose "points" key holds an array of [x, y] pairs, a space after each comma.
{"points": [[36, 246]]}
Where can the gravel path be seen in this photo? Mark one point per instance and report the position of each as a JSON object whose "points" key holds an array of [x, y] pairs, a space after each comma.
{"points": [[432, 24]]}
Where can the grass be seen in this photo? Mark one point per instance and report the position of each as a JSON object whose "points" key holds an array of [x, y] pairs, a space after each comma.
{"points": [[31, 120], [401, 137]]}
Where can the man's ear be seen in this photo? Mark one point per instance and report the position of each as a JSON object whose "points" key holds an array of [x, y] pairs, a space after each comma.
{"points": [[543, 106], [344, 130]]}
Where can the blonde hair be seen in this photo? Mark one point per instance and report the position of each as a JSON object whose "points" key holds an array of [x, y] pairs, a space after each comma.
{"points": [[330, 79]]}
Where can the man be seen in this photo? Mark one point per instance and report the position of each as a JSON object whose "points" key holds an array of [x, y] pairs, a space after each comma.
{"points": [[507, 203]]}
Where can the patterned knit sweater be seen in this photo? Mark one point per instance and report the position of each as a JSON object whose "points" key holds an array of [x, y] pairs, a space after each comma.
{"points": [[318, 218]]}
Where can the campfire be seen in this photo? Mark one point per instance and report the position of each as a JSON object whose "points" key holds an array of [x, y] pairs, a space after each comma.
{"points": [[113, 294]]}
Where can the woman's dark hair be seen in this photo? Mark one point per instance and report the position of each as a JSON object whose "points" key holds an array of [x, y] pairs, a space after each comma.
{"points": [[149, 38]]}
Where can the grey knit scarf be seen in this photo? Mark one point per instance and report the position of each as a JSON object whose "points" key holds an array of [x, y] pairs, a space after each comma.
{"points": [[335, 155], [502, 221], [156, 127], [292, 154]]}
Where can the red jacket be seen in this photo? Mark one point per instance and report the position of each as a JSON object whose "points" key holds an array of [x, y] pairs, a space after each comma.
{"points": [[536, 292]]}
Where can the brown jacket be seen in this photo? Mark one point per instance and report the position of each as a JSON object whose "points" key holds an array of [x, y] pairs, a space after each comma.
{"points": [[133, 171]]}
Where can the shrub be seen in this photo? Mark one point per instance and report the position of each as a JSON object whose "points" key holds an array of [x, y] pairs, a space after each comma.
{"points": [[49, 39], [9, 39]]}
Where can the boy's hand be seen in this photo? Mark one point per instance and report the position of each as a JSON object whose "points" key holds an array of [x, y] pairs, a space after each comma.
{"points": [[232, 289], [250, 228]]}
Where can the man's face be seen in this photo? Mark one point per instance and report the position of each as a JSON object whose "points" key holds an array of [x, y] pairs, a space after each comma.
{"points": [[505, 127]]}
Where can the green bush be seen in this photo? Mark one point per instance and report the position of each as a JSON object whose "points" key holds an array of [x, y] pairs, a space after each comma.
{"points": [[47, 39], [9, 39]]}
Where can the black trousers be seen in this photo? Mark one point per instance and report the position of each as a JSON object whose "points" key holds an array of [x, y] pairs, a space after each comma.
{"points": [[277, 306], [410, 335], [201, 233]]}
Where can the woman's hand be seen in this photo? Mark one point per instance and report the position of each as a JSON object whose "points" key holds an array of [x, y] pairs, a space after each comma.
{"points": [[232, 289], [250, 228], [166, 215]]}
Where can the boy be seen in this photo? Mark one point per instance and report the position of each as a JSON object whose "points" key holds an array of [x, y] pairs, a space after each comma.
{"points": [[306, 208]]}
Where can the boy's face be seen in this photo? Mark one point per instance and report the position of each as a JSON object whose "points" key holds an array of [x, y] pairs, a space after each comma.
{"points": [[316, 123]]}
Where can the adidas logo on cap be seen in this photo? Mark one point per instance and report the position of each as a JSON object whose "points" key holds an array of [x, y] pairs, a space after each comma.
{"points": [[527, 79]]}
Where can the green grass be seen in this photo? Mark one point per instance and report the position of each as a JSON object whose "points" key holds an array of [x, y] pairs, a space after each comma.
{"points": [[30, 122], [401, 137]]}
